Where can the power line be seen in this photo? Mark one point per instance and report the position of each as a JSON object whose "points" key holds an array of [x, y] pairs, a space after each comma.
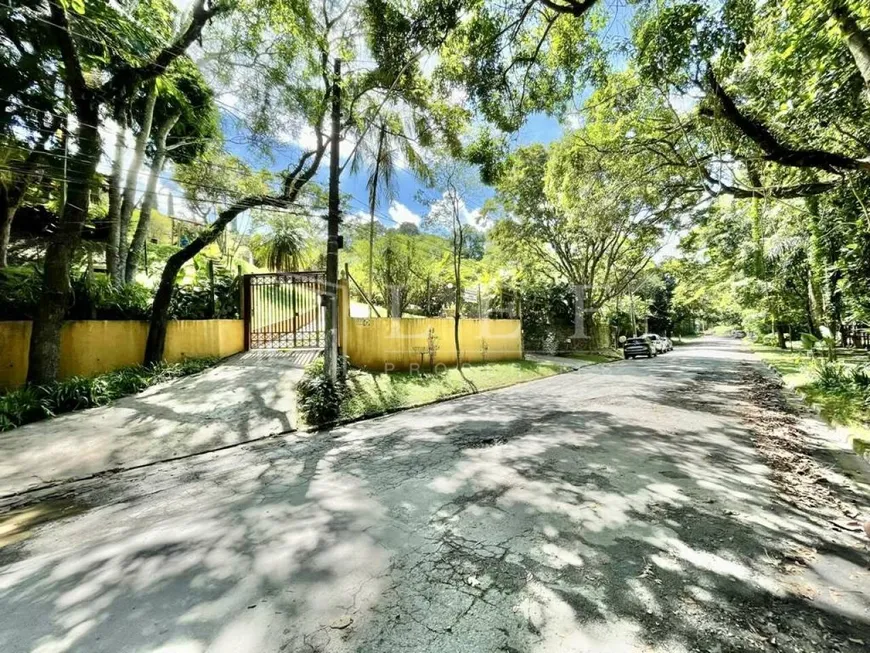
{"points": [[103, 126], [310, 211], [144, 171], [110, 156]]}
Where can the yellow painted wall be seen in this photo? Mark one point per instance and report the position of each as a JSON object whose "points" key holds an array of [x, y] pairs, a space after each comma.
{"points": [[14, 344], [198, 338], [89, 347], [375, 343]]}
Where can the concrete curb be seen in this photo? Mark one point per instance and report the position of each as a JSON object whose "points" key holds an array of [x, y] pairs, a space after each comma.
{"points": [[35, 493], [440, 400], [50, 486]]}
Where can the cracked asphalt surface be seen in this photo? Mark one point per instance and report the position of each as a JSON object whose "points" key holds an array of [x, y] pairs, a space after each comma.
{"points": [[635, 506]]}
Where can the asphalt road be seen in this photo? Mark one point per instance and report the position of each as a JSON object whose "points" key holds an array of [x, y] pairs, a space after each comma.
{"points": [[634, 506]]}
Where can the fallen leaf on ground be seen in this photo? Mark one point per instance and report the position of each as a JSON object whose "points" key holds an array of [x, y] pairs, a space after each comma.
{"points": [[341, 623]]}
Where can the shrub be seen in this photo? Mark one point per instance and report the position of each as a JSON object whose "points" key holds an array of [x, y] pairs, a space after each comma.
{"points": [[320, 400], [20, 289], [20, 407], [861, 377], [832, 377], [193, 301], [808, 341], [99, 299], [33, 403]]}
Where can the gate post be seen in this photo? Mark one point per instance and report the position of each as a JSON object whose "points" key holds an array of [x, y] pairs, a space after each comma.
{"points": [[246, 309]]}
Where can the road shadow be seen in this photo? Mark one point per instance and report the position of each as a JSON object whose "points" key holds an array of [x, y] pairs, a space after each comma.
{"points": [[245, 397], [585, 512]]}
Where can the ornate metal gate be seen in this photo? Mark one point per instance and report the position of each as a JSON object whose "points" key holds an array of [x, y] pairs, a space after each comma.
{"points": [[283, 311]]}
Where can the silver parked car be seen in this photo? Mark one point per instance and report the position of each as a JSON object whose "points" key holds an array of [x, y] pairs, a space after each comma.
{"points": [[657, 341]]}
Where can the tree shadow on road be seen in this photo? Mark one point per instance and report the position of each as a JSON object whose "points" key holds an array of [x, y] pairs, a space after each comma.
{"points": [[548, 517]]}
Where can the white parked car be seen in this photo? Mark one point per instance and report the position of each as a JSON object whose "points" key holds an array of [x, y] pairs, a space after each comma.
{"points": [[658, 342]]}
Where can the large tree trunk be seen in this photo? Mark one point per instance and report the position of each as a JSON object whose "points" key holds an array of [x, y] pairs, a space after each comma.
{"points": [[128, 201], [113, 217], [44, 355], [817, 258], [780, 335], [6, 216], [395, 301], [856, 39], [808, 307], [592, 342], [156, 342], [148, 201]]}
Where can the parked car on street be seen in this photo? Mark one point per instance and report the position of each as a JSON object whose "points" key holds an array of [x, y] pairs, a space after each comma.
{"points": [[657, 341], [669, 344], [639, 346]]}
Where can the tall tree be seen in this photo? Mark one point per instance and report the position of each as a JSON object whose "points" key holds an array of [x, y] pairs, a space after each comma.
{"points": [[185, 109], [455, 184], [31, 112], [91, 84], [294, 90], [592, 220], [387, 142]]}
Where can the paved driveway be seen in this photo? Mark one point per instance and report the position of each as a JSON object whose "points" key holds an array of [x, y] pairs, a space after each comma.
{"points": [[246, 397], [636, 506]]}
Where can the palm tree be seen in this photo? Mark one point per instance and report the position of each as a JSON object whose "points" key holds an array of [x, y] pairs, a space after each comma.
{"points": [[283, 248], [381, 147]]}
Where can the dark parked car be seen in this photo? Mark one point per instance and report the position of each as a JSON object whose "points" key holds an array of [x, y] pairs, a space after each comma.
{"points": [[641, 346]]}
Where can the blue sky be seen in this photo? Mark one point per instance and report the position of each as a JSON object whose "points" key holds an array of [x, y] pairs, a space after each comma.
{"points": [[539, 128], [405, 205]]}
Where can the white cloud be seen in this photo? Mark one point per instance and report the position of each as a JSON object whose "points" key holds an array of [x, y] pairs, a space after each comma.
{"points": [[470, 217], [401, 213], [444, 208], [305, 138], [357, 218]]}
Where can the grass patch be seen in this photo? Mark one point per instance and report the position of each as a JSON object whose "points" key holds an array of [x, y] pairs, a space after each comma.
{"points": [[792, 365], [376, 393], [837, 397], [722, 329], [604, 356], [33, 403]]}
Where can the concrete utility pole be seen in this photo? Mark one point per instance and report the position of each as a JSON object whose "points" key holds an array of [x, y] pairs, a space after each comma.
{"points": [[330, 353]]}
